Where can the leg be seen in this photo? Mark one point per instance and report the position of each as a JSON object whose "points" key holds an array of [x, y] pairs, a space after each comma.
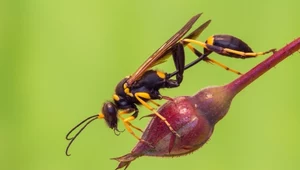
{"points": [[222, 65], [149, 115], [200, 57], [127, 111], [140, 95], [178, 58], [167, 98], [192, 35], [156, 104], [227, 51], [245, 54], [152, 101], [127, 125], [212, 61]]}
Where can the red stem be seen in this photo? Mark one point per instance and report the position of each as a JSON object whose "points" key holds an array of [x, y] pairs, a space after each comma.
{"points": [[243, 81]]}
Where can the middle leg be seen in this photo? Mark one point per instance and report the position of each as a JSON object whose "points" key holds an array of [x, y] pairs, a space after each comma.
{"points": [[139, 97]]}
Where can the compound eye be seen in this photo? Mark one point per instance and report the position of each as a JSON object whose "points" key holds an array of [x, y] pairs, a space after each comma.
{"points": [[110, 114], [110, 108]]}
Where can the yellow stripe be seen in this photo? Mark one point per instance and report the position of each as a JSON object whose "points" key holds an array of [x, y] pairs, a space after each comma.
{"points": [[125, 86], [143, 95], [126, 90], [161, 74], [116, 97], [210, 40]]}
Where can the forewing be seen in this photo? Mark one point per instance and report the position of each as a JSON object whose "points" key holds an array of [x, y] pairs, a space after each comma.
{"points": [[192, 35], [197, 32], [159, 54]]}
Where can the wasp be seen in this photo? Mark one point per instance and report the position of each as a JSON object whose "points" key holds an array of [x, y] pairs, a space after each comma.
{"points": [[142, 87], [144, 84]]}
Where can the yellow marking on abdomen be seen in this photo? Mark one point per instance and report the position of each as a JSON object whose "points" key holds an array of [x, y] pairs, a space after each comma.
{"points": [[210, 40]]}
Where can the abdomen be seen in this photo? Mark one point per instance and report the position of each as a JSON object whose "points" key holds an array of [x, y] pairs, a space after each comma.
{"points": [[230, 42]]}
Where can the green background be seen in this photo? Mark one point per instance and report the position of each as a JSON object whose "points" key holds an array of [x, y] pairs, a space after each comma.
{"points": [[61, 59]]}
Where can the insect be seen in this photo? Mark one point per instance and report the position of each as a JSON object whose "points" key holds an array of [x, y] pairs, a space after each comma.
{"points": [[143, 85], [226, 45]]}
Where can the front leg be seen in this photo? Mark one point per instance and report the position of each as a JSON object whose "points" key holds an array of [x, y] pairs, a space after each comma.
{"points": [[127, 125], [135, 114]]}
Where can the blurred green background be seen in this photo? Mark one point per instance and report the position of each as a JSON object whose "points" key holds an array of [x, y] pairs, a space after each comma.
{"points": [[60, 60]]}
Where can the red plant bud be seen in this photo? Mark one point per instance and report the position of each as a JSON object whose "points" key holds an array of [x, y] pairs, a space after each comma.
{"points": [[194, 117]]}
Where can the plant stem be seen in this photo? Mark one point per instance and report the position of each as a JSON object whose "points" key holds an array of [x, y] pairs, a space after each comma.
{"points": [[243, 81]]}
